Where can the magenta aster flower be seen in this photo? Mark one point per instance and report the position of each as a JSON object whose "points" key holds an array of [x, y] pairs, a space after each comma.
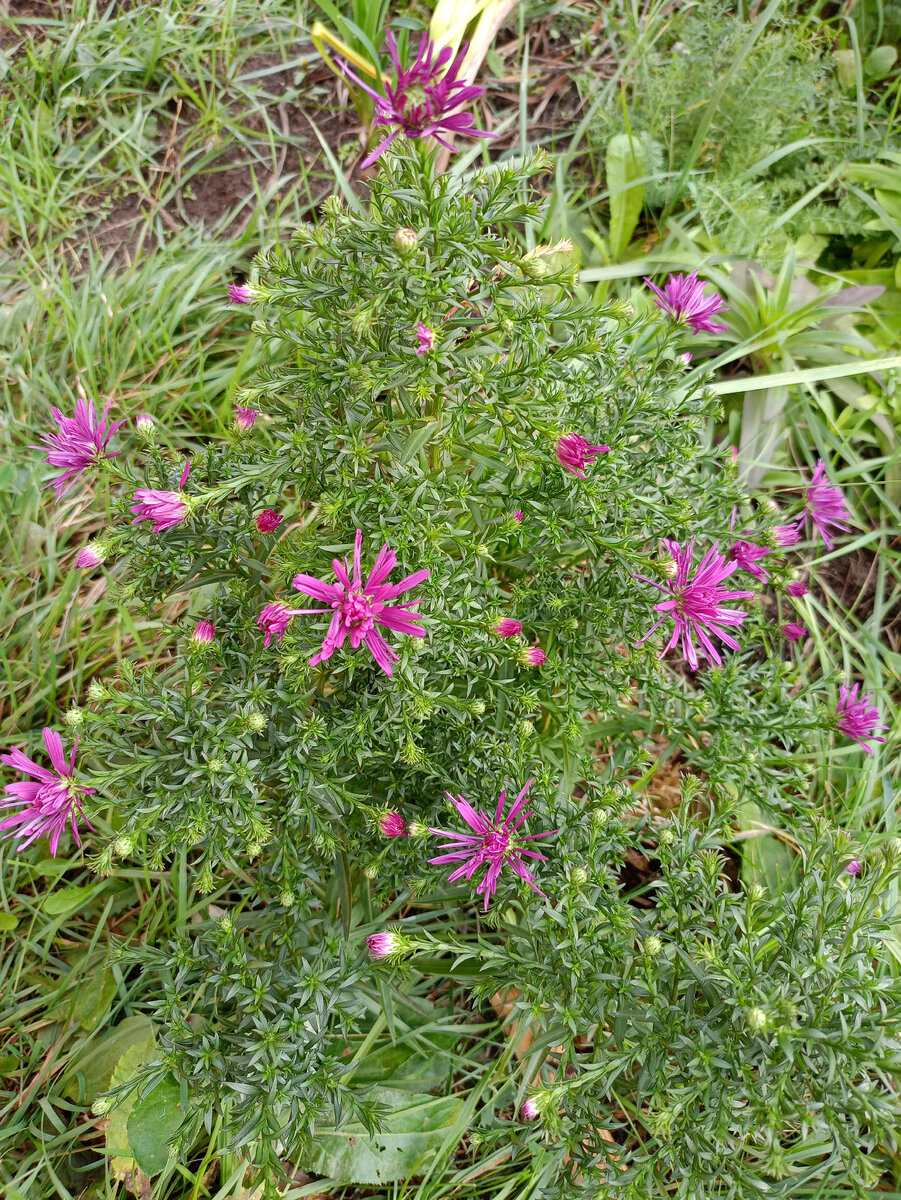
{"points": [[382, 944], [268, 520], [825, 505], [244, 418], [683, 299], [857, 718], [492, 844], [529, 1109], [274, 620], [239, 293], [797, 588], [746, 555], [357, 608], [48, 804], [787, 535], [204, 633], [423, 100], [532, 656], [854, 867], [794, 631], [573, 452], [507, 627], [426, 338], [685, 358], [392, 824], [79, 442], [90, 556], [696, 603], [165, 509], [518, 516]]}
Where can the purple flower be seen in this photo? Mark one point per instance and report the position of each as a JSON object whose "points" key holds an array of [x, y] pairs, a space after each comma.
{"points": [[854, 867], [696, 604], [492, 845], [573, 452], [507, 627], [423, 99], [426, 338], [244, 419], [357, 608], [532, 656], [683, 299], [746, 555], [90, 556], [518, 516], [825, 505], [145, 426], [48, 804], [204, 633], [274, 620], [392, 824], [529, 1110], [382, 944], [79, 442], [787, 535], [239, 293], [165, 509], [797, 588], [268, 520], [794, 631], [857, 718]]}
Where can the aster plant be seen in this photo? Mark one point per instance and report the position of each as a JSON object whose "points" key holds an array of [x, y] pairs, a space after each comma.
{"points": [[476, 534]]}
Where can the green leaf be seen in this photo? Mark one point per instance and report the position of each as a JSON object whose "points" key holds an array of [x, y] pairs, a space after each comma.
{"points": [[67, 900], [93, 1069], [153, 1122], [417, 439], [117, 1143], [94, 998], [412, 1134], [845, 63], [8, 1064], [890, 201], [879, 62], [625, 163], [8, 921]]}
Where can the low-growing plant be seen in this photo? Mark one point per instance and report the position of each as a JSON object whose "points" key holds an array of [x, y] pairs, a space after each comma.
{"points": [[466, 571]]}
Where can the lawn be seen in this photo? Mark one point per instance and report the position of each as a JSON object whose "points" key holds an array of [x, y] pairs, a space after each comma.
{"points": [[251, 975]]}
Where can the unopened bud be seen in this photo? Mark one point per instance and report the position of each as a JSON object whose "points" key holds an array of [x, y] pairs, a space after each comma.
{"points": [[256, 721], [123, 845], [96, 691], [578, 877], [145, 428], [651, 946], [666, 837], [73, 717], [756, 1019], [477, 708], [405, 241]]}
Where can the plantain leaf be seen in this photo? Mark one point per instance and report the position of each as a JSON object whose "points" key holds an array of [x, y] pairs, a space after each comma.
{"points": [[625, 163]]}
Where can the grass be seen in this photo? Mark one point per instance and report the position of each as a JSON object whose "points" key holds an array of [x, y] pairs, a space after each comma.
{"points": [[149, 153]]}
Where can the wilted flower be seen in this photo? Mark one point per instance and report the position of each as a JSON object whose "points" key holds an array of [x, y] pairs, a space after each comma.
{"points": [[244, 419], [274, 620], [573, 453], [857, 718], [423, 99], [91, 556], [165, 509], [507, 627], [683, 299], [204, 633], [48, 804], [79, 442], [825, 505], [797, 588], [532, 656], [696, 604], [854, 867], [357, 608], [747, 555], [426, 338], [392, 824], [268, 520], [794, 631], [239, 293], [493, 844]]}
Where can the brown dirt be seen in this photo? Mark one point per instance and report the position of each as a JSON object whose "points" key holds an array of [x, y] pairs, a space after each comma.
{"points": [[853, 580]]}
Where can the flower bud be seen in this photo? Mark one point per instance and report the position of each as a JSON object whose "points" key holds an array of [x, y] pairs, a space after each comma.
{"points": [[600, 817], [418, 830], [651, 946], [286, 898], [756, 1020], [73, 717], [525, 729], [477, 708], [666, 836], [578, 877], [101, 1106], [388, 944], [532, 656], [203, 635], [405, 241], [123, 845], [215, 765], [96, 691], [391, 824], [256, 721], [372, 871], [91, 556], [756, 892], [145, 428]]}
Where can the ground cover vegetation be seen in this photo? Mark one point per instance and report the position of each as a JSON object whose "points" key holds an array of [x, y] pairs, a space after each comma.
{"points": [[451, 600]]}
